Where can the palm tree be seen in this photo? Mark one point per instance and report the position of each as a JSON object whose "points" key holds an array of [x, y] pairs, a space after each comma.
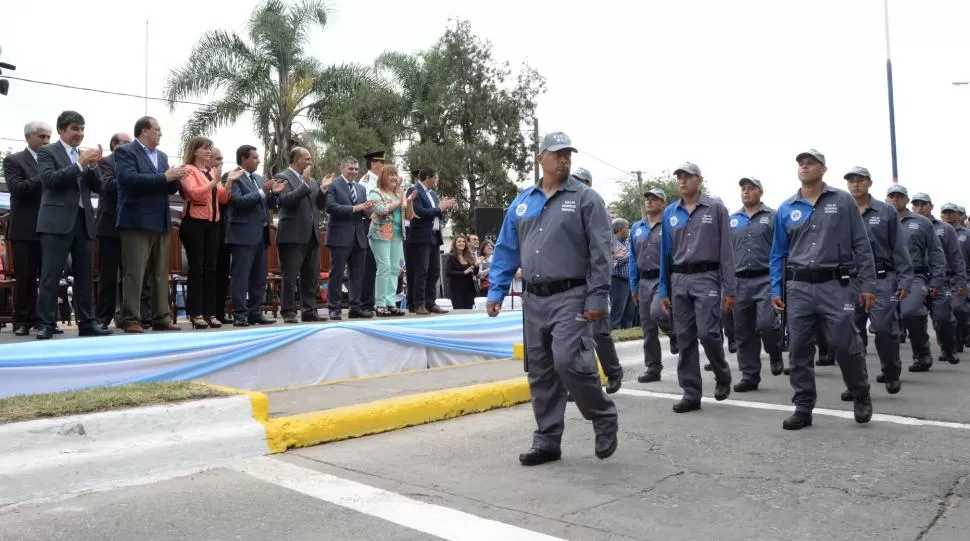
{"points": [[268, 76]]}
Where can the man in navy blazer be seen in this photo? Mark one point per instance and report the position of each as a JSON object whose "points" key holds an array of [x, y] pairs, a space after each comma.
{"points": [[143, 219], [247, 222], [349, 213], [65, 222], [423, 242]]}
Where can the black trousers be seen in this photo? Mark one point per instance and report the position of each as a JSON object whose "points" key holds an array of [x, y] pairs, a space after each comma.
{"points": [[367, 296], [56, 249], [342, 257], [26, 257], [248, 280], [200, 238], [303, 261], [109, 288], [424, 269]]}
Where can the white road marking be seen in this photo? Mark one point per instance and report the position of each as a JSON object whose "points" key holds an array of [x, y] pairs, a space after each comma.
{"points": [[424, 517], [896, 419]]}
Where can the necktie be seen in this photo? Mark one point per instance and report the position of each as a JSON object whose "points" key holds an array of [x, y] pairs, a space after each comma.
{"points": [[353, 193], [74, 159], [74, 156]]}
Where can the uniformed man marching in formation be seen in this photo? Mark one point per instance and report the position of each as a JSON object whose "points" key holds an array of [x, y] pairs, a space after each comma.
{"points": [[822, 266], [894, 277], [697, 282], [645, 283], [955, 215], [558, 232]]}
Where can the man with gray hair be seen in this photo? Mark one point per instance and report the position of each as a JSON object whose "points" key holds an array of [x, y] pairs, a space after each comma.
{"points": [[621, 302], [25, 186]]}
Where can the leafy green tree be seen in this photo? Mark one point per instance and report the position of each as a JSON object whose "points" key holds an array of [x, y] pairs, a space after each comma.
{"points": [[268, 76], [628, 203]]}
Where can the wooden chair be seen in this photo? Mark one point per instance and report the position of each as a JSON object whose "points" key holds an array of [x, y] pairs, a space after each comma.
{"points": [[324, 267], [176, 269], [274, 275], [7, 283]]}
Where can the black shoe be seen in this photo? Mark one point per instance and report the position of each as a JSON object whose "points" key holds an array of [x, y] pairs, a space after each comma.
{"points": [[290, 318], [43, 333], [949, 358], [361, 314], [674, 350], [686, 405], [536, 457], [847, 396], [613, 384], [920, 367], [744, 386], [240, 323], [310, 318], [797, 421], [786, 371], [732, 346], [777, 367], [825, 360], [649, 377], [261, 320], [21, 330], [335, 315], [893, 387], [569, 398], [863, 409], [722, 391], [94, 330], [881, 378], [56, 330], [605, 445], [708, 367]]}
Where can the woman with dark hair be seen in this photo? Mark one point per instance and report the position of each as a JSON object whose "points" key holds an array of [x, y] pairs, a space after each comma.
{"points": [[199, 232], [461, 268]]}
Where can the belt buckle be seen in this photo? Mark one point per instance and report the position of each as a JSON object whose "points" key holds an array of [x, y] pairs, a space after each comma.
{"points": [[880, 273], [542, 290]]}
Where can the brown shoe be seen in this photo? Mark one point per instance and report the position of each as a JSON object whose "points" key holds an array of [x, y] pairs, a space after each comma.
{"points": [[437, 310], [134, 328], [422, 311], [167, 326]]}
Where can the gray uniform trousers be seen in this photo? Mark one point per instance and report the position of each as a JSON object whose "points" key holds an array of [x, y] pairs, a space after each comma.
{"points": [[912, 313], [560, 348], [831, 306], [606, 349], [885, 324], [696, 305], [942, 308], [652, 320], [961, 312], [755, 321]]}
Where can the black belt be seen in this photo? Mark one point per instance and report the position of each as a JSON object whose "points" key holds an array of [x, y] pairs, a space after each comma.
{"points": [[752, 273], [548, 289], [695, 268], [815, 276], [650, 274], [921, 270], [883, 270]]}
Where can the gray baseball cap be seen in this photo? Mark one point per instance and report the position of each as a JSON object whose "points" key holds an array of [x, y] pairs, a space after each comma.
{"points": [[896, 188], [812, 153], [556, 141], [689, 168], [656, 192], [582, 174], [858, 172], [752, 181], [961, 209], [950, 207], [920, 196]]}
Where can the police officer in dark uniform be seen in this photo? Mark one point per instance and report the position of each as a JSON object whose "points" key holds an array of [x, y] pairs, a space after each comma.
{"points": [[941, 306], [697, 282], [645, 281], [755, 321], [894, 277], [605, 348], [558, 232], [954, 215], [929, 276], [820, 234]]}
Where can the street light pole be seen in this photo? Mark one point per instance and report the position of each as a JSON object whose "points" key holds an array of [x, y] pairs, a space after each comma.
{"points": [[892, 108]]}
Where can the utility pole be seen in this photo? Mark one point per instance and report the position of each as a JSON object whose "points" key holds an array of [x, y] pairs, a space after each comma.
{"points": [[535, 134], [639, 174]]}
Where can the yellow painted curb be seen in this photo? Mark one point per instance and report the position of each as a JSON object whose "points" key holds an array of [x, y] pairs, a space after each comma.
{"points": [[518, 353], [260, 404], [346, 422]]}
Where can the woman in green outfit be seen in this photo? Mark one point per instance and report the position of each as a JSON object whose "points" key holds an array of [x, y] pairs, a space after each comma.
{"points": [[386, 236]]}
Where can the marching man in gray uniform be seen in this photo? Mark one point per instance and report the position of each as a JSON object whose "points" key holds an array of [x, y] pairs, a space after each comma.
{"points": [[926, 253], [696, 283], [894, 277], [754, 318], [954, 215], [820, 233], [558, 232], [645, 281], [942, 306], [605, 347]]}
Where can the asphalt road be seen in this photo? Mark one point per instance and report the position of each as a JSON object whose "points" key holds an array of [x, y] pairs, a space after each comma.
{"points": [[727, 472]]}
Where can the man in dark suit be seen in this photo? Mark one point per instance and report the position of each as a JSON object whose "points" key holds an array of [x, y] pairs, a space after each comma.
{"points": [[144, 221], [25, 186], [301, 201], [349, 211], [247, 234], [66, 224], [423, 243], [109, 243]]}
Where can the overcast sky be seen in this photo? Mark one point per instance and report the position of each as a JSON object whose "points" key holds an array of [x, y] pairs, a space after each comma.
{"points": [[738, 87]]}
